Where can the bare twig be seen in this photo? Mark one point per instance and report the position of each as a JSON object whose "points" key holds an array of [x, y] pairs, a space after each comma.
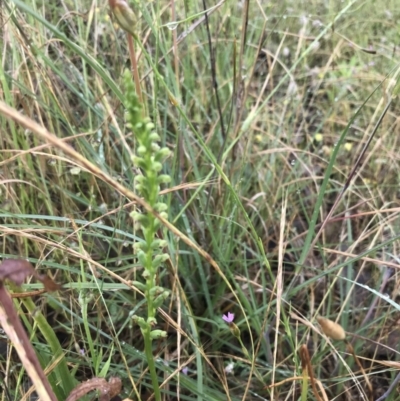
{"points": [[351, 350]]}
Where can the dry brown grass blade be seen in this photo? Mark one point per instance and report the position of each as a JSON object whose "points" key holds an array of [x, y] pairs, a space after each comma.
{"points": [[299, 378], [278, 287], [11, 324], [17, 270], [27, 294], [351, 350]]}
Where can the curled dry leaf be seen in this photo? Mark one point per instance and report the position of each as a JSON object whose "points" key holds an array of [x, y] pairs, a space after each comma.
{"points": [[16, 270], [331, 329], [48, 283], [106, 389]]}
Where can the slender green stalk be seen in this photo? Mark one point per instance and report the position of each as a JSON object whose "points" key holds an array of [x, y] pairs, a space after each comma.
{"points": [[304, 387], [148, 349]]}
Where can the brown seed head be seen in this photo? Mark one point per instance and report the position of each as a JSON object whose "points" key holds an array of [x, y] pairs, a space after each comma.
{"points": [[331, 329]]}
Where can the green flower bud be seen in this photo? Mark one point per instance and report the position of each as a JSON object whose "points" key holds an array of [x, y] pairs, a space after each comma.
{"points": [[139, 217], [139, 162], [149, 126], [160, 207], [156, 290], [134, 214], [156, 334], [139, 285], [137, 246], [164, 179], [141, 150], [160, 299], [142, 257], [162, 154], [155, 147], [161, 258], [158, 243], [140, 179], [157, 166], [234, 330], [140, 322], [154, 137], [245, 352]]}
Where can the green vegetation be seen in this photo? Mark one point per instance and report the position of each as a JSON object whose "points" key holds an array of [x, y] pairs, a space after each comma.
{"points": [[281, 118]]}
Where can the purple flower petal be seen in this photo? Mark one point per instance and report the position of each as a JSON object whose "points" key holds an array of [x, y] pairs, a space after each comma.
{"points": [[228, 318], [185, 370]]}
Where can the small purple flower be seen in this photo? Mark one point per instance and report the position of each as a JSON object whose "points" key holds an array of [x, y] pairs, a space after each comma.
{"points": [[228, 318], [185, 370], [82, 352]]}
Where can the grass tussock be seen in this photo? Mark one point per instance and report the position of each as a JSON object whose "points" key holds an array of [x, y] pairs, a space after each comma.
{"points": [[282, 124]]}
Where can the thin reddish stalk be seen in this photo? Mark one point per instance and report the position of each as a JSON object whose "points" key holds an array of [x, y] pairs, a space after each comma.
{"points": [[135, 72]]}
